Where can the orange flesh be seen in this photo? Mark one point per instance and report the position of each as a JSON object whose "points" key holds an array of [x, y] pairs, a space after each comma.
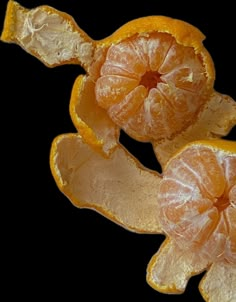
{"points": [[173, 77], [197, 202]]}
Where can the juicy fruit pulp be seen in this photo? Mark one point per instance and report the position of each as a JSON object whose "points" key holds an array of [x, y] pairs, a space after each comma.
{"points": [[197, 198], [151, 86]]}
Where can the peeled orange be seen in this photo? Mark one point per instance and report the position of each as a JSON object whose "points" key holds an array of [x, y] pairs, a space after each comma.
{"points": [[196, 199], [153, 78], [152, 86]]}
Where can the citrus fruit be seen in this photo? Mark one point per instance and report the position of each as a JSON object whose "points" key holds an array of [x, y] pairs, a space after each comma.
{"points": [[153, 78], [197, 199], [151, 86]]}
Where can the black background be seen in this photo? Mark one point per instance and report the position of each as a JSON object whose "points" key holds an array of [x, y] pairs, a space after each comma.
{"points": [[51, 249]]}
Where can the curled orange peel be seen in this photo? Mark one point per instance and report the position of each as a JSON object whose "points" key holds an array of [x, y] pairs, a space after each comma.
{"points": [[106, 185], [93, 169]]}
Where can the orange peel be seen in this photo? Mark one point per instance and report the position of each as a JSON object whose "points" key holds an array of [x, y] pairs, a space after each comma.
{"points": [[153, 73], [107, 185]]}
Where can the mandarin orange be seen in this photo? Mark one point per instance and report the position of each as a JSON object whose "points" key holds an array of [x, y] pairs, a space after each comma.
{"points": [[152, 77], [152, 86], [197, 200]]}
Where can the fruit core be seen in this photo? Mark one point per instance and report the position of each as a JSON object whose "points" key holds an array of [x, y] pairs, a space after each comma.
{"points": [[222, 203], [150, 79]]}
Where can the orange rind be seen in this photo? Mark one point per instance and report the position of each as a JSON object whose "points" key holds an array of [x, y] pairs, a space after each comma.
{"points": [[48, 34], [154, 79], [220, 275], [92, 122], [107, 185]]}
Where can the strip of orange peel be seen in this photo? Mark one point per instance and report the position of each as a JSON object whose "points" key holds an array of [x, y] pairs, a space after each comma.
{"points": [[50, 35], [216, 119], [170, 268], [107, 185], [91, 121]]}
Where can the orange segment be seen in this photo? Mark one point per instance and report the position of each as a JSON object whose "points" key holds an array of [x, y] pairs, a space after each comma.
{"points": [[130, 104], [126, 57], [219, 283], [215, 246], [91, 121], [190, 224], [149, 118], [195, 200], [157, 47], [170, 268], [113, 89], [203, 165], [230, 168], [230, 217], [184, 67], [108, 186], [232, 195]]}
